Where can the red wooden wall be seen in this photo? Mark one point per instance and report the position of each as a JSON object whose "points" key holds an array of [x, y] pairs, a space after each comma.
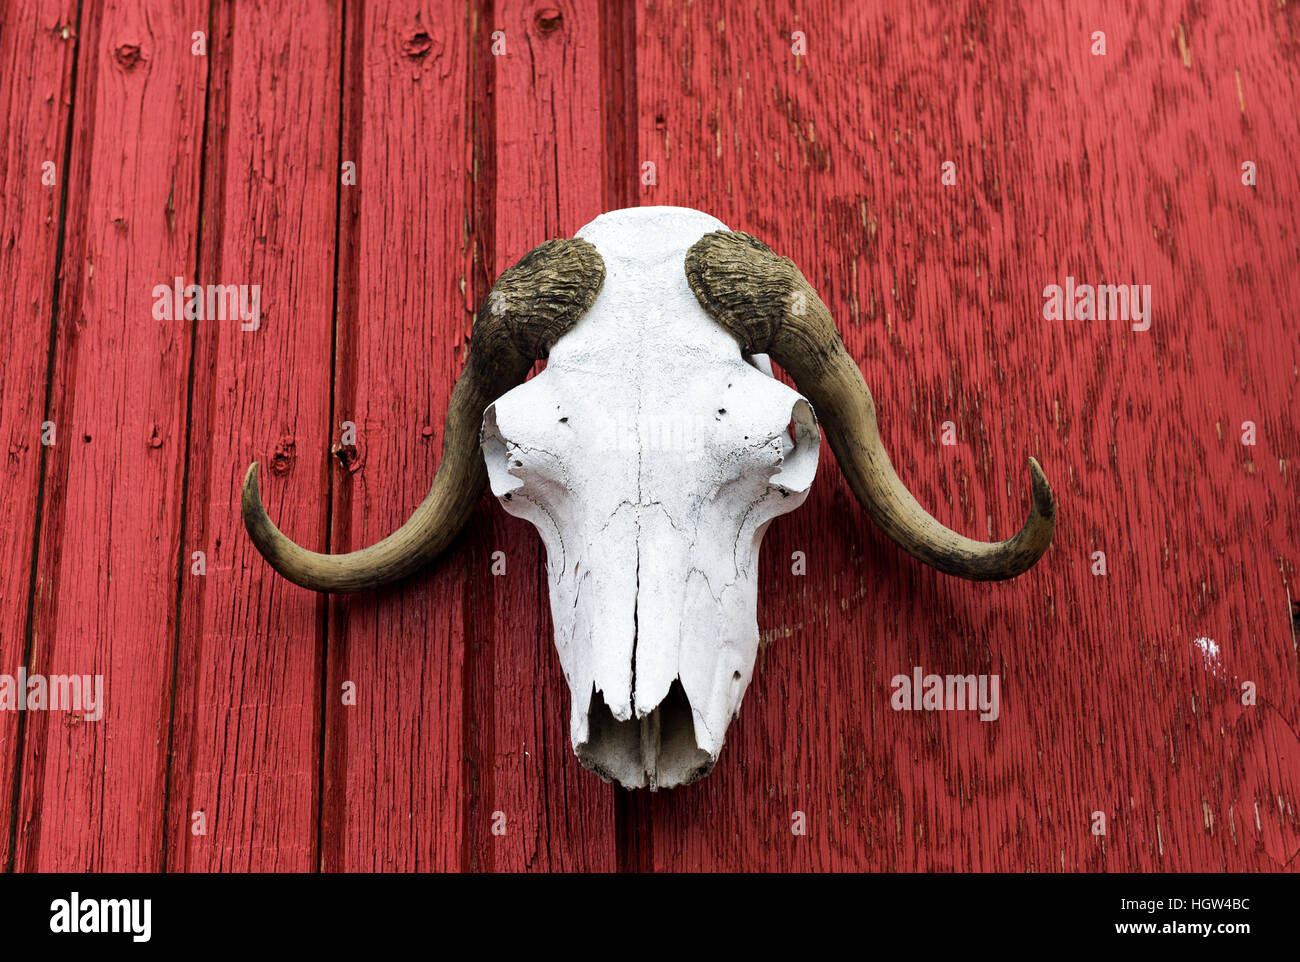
{"points": [[224, 689]]}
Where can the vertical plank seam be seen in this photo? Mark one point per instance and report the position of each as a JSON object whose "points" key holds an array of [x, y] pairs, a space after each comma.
{"points": [[622, 133], [324, 602], [29, 623], [183, 528], [620, 100], [481, 239]]}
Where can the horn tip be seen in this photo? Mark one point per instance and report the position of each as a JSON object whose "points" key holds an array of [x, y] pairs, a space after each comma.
{"points": [[251, 500], [1044, 500]]}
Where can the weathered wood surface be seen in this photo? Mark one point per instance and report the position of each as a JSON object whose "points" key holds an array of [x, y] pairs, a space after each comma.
{"points": [[91, 795], [36, 60], [246, 742], [224, 691]]}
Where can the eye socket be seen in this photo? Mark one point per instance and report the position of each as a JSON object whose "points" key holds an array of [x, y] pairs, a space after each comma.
{"points": [[496, 455], [801, 451]]}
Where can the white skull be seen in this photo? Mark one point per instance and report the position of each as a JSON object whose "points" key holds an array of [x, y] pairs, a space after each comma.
{"points": [[651, 456]]}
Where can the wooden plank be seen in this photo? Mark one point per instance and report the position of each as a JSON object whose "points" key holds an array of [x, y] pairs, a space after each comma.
{"points": [[246, 748], [1126, 169], [548, 102], [92, 792], [36, 69], [394, 777]]}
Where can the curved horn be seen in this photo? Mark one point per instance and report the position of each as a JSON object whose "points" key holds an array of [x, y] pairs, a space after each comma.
{"points": [[531, 305], [765, 301]]}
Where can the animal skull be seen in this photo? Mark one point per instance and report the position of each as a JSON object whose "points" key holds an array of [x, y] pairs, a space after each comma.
{"points": [[651, 455]]}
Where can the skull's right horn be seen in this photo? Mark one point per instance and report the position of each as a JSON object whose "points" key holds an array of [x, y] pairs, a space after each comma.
{"points": [[767, 304], [527, 310]]}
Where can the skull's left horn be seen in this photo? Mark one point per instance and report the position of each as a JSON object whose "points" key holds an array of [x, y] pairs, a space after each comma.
{"points": [[531, 305], [768, 305]]}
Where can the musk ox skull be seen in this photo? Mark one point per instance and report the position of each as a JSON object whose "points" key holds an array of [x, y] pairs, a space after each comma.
{"points": [[651, 455]]}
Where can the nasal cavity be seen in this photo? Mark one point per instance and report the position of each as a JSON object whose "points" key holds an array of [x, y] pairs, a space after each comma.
{"points": [[657, 750]]}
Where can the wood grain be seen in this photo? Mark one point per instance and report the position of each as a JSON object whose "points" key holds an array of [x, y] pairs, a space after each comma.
{"points": [[1117, 169], [394, 773], [91, 795], [247, 740], [36, 75]]}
